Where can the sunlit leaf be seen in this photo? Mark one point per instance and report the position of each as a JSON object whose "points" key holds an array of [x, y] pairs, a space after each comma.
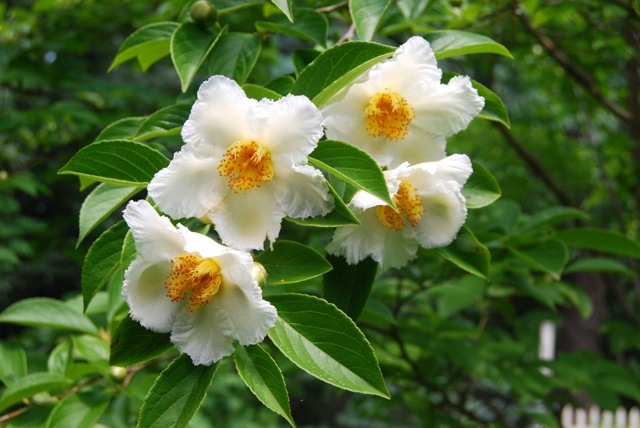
{"points": [[286, 6], [307, 24], [447, 43], [481, 189], [290, 262], [468, 253], [166, 121], [149, 44], [235, 55], [366, 15], [47, 312], [190, 46], [31, 385], [122, 129], [13, 362], [79, 410]]}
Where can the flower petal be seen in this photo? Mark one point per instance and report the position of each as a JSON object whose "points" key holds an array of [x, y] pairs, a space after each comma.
{"points": [[447, 109], [188, 187], [218, 117], [290, 128], [301, 192], [199, 335], [245, 219], [144, 291], [418, 146], [450, 173], [154, 235], [444, 215]]}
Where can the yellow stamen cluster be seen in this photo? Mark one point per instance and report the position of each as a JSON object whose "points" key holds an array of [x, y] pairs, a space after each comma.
{"points": [[388, 115], [409, 206], [247, 164], [193, 278]]}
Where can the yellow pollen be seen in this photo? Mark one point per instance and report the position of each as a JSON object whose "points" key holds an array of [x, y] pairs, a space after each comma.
{"points": [[193, 279], [388, 115], [247, 164], [409, 206]]}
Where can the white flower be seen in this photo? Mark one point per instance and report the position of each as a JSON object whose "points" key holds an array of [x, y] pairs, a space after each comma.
{"points": [[399, 111], [244, 165], [185, 283], [431, 210]]}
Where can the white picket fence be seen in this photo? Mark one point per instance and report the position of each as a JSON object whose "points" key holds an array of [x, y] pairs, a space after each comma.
{"points": [[595, 418]]}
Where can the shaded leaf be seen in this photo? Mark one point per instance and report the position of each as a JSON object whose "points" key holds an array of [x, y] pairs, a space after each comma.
{"points": [[190, 46], [166, 121], [13, 362], [366, 15], [79, 410], [468, 253], [307, 24], [235, 55], [149, 44], [291, 262], [47, 312], [122, 129], [549, 256], [31, 385], [481, 189], [348, 286], [133, 344], [600, 240], [286, 6], [340, 216]]}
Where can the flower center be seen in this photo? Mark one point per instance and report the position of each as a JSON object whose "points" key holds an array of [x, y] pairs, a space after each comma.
{"points": [[409, 208], [194, 279], [388, 115], [247, 164]]}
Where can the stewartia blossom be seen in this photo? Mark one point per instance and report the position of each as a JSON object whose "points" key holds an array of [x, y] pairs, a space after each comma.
{"points": [[399, 111], [244, 165], [205, 294], [430, 212]]}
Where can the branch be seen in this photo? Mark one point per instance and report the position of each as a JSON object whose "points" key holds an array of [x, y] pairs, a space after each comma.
{"points": [[571, 67]]}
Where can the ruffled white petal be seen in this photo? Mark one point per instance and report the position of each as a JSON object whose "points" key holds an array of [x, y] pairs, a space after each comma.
{"points": [[290, 128], [199, 335], [445, 213], [218, 117], [188, 187], [244, 220], [144, 292], [154, 235], [301, 192], [447, 109], [450, 173], [345, 118], [418, 146]]}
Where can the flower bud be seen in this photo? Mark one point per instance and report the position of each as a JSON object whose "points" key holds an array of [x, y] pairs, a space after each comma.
{"points": [[259, 274], [203, 13], [117, 373]]}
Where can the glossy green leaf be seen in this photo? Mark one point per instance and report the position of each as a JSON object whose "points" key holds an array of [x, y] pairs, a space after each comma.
{"points": [[549, 256], [600, 264], [600, 240], [235, 55], [31, 385], [289, 262], [352, 165], [132, 344], [263, 377], [340, 216], [281, 85], [366, 15], [322, 340], [308, 24], [259, 92], [13, 362], [166, 121], [91, 348], [60, 358], [551, 216], [481, 189], [468, 253], [128, 253], [116, 161], [348, 286], [149, 44], [101, 261], [79, 410], [452, 297], [122, 129], [447, 43], [190, 46], [335, 68], [100, 204], [176, 394], [286, 6], [47, 312], [578, 297]]}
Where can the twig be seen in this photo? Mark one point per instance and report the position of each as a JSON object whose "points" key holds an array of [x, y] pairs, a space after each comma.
{"points": [[332, 7], [348, 36]]}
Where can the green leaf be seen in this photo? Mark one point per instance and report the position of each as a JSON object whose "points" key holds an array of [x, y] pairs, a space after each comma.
{"points": [[291, 262], [166, 121], [121, 129], [481, 189], [452, 297], [366, 15], [322, 340], [116, 161], [132, 344], [100, 203], [79, 410], [149, 44], [128, 253], [578, 297], [259, 92], [61, 357], [302, 58], [468, 253], [176, 395], [263, 377], [281, 85], [447, 43], [29, 386], [352, 165], [600, 240], [340, 216], [190, 46], [549, 256], [600, 264], [335, 68], [551, 216], [92, 349], [101, 261], [235, 55], [307, 24], [348, 286], [47, 312], [13, 362], [286, 6]]}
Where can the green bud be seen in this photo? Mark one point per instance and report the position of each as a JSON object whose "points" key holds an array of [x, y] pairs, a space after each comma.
{"points": [[259, 274], [203, 12], [117, 373]]}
